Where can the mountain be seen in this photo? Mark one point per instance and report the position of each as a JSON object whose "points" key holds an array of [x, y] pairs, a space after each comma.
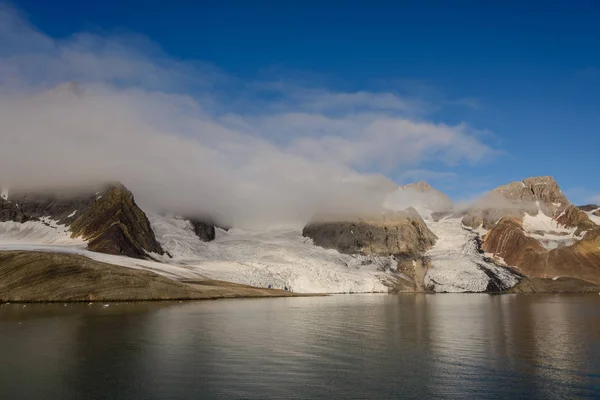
{"points": [[524, 236], [108, 219], [530, 225], [400, 234], [530, 196]]}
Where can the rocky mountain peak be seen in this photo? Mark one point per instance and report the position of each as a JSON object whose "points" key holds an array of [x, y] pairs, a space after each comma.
{"points": [[541, 188]]}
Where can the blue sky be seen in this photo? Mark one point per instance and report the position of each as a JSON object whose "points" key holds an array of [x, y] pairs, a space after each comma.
{"points": [[523, 78]]}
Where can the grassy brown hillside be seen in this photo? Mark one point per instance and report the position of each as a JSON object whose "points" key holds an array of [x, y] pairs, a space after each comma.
{"points": [[44, 277]]}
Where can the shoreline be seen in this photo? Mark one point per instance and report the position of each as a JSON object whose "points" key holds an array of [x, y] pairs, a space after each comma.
{"points": [[44, 277]]}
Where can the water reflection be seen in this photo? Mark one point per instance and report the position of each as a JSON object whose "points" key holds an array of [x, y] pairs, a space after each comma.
{"points": [[442, 346]]}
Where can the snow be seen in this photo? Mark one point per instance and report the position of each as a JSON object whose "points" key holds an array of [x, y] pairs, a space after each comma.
{"points": [[542, 222], [279, 258], [456, 263], [45, 231], [72, 214], [4, 193], [594, 218], [547, 231]]}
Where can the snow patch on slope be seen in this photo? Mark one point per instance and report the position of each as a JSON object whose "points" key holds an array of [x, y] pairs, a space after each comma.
{"points": [[547, 231], [4, 193], [594, 218], [45, 231], [457, 265], [261, 258]]}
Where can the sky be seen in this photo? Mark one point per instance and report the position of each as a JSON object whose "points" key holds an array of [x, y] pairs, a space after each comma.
{"points": [[465, 95]]}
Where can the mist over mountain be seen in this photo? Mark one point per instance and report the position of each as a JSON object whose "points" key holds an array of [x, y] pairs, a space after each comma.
{"points": [[189, 138]]}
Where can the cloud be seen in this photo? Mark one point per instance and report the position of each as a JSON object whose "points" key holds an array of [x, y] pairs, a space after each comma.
{"points": [[187, 137], [415, 175]]}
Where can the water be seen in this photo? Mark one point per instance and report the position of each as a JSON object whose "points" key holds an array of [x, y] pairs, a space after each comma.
{"points": [[360, 346]]}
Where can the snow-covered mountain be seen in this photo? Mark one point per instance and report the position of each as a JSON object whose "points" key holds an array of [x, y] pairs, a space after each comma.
{"points": [[529, 230]]}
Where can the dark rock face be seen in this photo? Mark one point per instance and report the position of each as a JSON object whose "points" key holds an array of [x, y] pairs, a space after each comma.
{"points": [[404, 236], [204, 229], [114, 224], [109, 219], [60, 207], [10, 211]]}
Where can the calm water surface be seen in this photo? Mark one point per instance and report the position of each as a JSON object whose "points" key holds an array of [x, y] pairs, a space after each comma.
{"points": [[360, 346]]}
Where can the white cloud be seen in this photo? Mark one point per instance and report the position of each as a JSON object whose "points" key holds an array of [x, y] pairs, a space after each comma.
{"points": [[188, 137], [415, 175]]}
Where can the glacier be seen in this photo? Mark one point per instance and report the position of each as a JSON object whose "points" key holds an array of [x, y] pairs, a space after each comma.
{"points": [[458, 266], [278, 258]]}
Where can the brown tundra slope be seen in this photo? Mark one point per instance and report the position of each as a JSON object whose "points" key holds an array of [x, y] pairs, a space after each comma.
{"points": [[46, 277]]}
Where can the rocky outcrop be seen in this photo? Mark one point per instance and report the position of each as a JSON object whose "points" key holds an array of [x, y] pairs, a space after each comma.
{"points": [[109, 219], [515, 199], [114, 224], [542, 188], [403, 235], [203, 228], [61, 207], [574, 217], [9, 211]]}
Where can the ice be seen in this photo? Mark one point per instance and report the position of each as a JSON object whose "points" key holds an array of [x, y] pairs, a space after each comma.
{"points": [[594, 218], [278, 257], [457, 265]]}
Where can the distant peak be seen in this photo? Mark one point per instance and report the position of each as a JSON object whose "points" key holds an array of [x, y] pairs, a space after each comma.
{"points": [[539, 180]]}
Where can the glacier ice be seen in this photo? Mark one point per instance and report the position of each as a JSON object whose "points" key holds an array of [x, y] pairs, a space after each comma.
{"points": [[457, 265]]}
